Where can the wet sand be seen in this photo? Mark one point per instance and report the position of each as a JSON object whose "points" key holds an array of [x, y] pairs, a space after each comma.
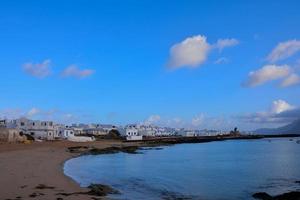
{"points": [[23, 167]]}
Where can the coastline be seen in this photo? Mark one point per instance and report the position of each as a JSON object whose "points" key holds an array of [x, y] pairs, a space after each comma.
{"points": [[25, 167]]}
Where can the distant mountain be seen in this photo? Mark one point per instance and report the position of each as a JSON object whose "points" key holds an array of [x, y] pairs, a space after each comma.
{"points": [[292, 128]]}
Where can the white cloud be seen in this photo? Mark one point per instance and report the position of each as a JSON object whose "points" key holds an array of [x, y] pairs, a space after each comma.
{"points": [[40, 114], [74, 71], [193, 51], [16, 113], [32, 112], [280, 112], [39, 70], [267, 73], [284, 50], [292, 79], [221, 60], [223, 43], [175, 122], [198, 120], [202, 121], [152, 119], [279, 106]]}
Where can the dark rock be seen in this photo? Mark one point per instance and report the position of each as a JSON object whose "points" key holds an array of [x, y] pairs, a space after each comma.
{"points": [[262, 196], [130, 149], [65, 194], [42, 187], [101, 190], [94, 198], [110, 150], [77, 149], [33, 195], [288, 196]]}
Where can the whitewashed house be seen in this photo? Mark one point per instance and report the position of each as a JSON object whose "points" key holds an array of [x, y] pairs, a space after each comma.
{"points": [[147, 130], [95, 131], [78, 130], [43, 130], [132, 133], [108, 127], [67, 132]]}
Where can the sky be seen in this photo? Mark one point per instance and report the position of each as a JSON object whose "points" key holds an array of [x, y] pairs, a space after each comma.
{"points": [[193, 64]]}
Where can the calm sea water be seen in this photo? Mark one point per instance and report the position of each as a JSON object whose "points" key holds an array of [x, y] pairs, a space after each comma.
{"points": [[226, 170]]}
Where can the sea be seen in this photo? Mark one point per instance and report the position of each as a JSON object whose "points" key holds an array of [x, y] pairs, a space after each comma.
{"points": [[220, 170]]}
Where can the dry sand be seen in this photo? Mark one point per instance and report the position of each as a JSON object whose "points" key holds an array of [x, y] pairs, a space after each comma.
{"points": [[24, 166]]}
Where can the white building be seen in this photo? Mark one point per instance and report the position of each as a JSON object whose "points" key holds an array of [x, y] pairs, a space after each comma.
{"points": [[132, 133], [67, 132], [95, 131], [44, 130]]}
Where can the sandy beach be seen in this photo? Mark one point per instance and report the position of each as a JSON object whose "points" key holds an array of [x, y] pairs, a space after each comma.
{"points": [[24, 167]]}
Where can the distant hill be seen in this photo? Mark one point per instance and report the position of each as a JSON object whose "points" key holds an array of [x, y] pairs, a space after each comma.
{"points": [[292, 128]]}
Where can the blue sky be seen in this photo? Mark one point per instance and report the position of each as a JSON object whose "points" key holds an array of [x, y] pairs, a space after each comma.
{"points": [[131, 61]]}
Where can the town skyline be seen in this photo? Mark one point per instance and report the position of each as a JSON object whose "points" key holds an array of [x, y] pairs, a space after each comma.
{"points": [[122, 64]]}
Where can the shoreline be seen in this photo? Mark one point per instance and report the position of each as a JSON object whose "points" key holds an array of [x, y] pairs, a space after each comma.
{"points": [[24, 167]]}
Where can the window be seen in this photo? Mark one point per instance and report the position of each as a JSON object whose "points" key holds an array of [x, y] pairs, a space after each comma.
{"points": [[22, 124], [33, 124], [32, 133]]}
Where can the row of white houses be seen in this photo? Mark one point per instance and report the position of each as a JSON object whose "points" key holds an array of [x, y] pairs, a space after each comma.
{"points": [[39, 130], [137, 132], [47, 130], [14, 130]]}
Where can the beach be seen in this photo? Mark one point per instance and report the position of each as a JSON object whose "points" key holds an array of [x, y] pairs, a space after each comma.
{"points": [[35, 171]]}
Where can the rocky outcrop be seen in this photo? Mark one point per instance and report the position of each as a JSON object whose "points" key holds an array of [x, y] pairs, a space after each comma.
{"points": [[286, 196], [101, 190], [108, 150]]}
